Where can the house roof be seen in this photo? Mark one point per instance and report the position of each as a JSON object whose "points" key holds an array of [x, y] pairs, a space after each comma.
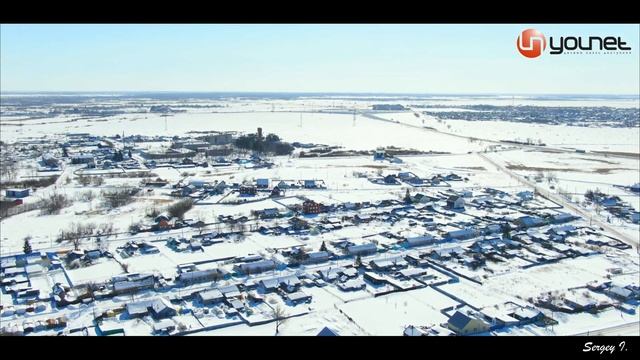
{"points": [[530, 220], [139, 308], [331, 273], [362, 247], [449, 250], [290, 280], [298, 295], [163, 324], [413, 272], [563, 216], [461, 232], [395, 261], [258, 265], [421, 239], [318, 254], [229, 289], [459, 320], [212, 294], [350, 272], [352, 284], [327, 331], [620, 291], [236, 304], [526, 313], [160, 305]]}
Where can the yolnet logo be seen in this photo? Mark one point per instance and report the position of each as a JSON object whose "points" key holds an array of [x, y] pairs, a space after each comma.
{"points": [[532, 43]]}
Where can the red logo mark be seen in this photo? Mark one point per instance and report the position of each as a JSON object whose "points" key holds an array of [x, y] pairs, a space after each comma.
{"points": [[531, 43]]}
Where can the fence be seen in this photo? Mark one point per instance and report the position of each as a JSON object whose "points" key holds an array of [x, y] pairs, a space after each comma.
{"points": [[18, 209]]}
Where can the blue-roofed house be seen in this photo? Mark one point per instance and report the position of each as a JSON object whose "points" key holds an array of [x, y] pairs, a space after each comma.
{"points": [[525, 195], [327, 331], [529, 221], [162, 309], [562, 218], [461, 234], [465, 324]]}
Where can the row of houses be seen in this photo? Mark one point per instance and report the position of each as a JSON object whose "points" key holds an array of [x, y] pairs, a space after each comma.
{"points": [[615, 205]]}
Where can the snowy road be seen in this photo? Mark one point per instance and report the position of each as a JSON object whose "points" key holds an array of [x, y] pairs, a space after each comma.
{"points": [[631, 329], [558, 199]]}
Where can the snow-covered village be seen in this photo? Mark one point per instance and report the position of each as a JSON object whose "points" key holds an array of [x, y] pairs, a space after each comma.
{"points": [[342, 180], [319, 214]]}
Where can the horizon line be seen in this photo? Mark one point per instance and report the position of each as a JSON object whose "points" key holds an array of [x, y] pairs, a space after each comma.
{"points": [[116, 92]]}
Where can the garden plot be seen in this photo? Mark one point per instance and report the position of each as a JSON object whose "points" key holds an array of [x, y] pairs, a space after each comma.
{"points": [[102, 271], [151, 263], [393, 313], [432, 298], [560, 276], [477, 295]]}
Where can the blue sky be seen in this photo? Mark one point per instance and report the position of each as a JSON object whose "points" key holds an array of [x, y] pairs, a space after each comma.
{"points": [[308, 58]]}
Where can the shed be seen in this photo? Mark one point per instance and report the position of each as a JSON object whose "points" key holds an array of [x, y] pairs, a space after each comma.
{"points": [[420, 240], [262, 183], [164, 326], [298, 297], [363, 249], [256, 266], [17, 193]]}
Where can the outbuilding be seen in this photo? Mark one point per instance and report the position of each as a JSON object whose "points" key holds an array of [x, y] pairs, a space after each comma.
{"points": [[17, 193]]}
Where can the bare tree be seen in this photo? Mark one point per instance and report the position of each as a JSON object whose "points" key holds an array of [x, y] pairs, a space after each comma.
{"points": [[55, 203], [75, 240], [180, 208], [90, 290], [279, 316], [106, 228]]}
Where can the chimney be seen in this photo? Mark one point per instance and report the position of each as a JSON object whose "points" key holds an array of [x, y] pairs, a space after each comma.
{"points": [[259, 133]]}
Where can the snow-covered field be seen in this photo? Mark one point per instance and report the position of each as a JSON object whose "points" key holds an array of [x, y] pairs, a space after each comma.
{"points": [[562, 136], [331, 122]]}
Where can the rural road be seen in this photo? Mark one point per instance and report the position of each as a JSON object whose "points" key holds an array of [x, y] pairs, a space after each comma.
{"points": [[560, 200], [631, 329], [497, 142]]}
